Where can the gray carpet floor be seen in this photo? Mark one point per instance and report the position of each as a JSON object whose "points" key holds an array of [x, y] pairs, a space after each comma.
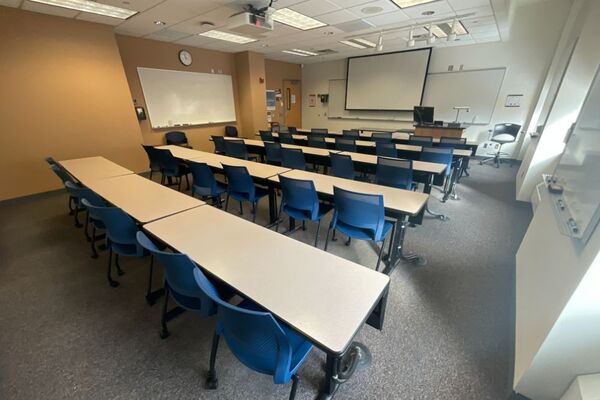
{"points": [[448, 334]]}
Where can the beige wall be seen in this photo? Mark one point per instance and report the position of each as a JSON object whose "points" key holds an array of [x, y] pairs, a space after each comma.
{"points": [[63, 94], [136, 52], [253, 96], [276, 72]]}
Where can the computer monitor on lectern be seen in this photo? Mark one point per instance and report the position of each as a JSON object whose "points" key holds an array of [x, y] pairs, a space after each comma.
{"points": [[423, 115]]}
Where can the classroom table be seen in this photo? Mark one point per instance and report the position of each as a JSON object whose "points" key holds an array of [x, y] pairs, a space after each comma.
{"points": [[399, 204], [324, 298], [257, 147], [91, 168]]}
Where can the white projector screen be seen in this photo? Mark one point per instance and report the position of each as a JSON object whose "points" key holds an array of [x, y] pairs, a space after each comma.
{"points": [[388, 82], [179, 98]]}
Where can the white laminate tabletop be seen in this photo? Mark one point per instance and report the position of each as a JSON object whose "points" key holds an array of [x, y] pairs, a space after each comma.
{"points": [[305, 149], [421, 166], [325, 297], [141, 198], [91, 168], [399, 200]]}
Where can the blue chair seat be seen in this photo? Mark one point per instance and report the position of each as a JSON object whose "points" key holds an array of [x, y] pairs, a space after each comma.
{"points": [[242, 196], [204, 191], [128, 249], [302, 215], [359, 233]]}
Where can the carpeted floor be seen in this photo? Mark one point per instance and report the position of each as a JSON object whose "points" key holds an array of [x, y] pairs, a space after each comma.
{"points": [[448, 334]]}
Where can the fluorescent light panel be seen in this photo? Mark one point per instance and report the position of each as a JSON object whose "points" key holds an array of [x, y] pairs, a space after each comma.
{"points": [[308, 53], [294, 53], [353, 44], [411, 3], [442, 30], [296, 20], [91, 7], [226, 36], [364, 42], [438, 32]]}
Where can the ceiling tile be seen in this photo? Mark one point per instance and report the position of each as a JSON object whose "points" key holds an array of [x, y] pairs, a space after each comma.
{"points": [[478, 21], [337, 17], [10, 3], [458, 5], [286, 3], [349, 3], [314, 7], [395, 17], [371, 8], [485, 11], [167, 35], [101, 19], [195, 41], [137, 5], [439, 8], [52, 10]]}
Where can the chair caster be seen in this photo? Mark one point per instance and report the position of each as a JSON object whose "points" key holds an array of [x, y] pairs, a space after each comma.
{"points": [[348, 242], [113, 283], [212, 382], [164, 334]]}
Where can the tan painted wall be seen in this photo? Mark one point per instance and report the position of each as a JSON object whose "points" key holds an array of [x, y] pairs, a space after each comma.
{"points": [[136, 52], [63, 93], [276, 72], [253, 97]]}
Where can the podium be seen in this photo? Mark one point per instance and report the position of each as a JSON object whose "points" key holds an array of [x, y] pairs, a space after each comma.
{"points": [[438, 131]]}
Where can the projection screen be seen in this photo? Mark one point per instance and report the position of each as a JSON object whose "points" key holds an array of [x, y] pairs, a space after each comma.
{"points": [[389, 82]]}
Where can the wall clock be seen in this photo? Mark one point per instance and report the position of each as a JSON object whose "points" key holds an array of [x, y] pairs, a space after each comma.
{"points": [[185, 57]]}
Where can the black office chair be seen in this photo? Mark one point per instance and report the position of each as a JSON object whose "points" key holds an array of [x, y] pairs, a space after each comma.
{"points": [[231, 131], [501, 135], [177, 138]]}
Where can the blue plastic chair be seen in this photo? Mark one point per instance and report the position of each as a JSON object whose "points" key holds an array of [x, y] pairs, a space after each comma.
{"points": [[177, 138], [341, 166], [219, 143], [240, 187], [455, 143], [120, 239], [237, 148], [315, 140], [170, 167], [299, 200], [273, 153], [383, 149], [319, 130], [394, 172], [256, 339], [292, 130], [440, 155], [420, 140], [153, 159], [204, 183], [345, 144], [79, 193], [383, 137], [350, 134], [293, 158], [64, 176], [286, 138], [179, 284], [266, 136], [360, 216]]}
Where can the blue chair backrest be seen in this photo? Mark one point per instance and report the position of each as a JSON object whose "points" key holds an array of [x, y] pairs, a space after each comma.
{"points": [[120, 227], [394, 172], [219, 143], [316, 140], [204, 182], [176, 137], [61, 173], [456, 143], [266, 136], [350, 133], [168, 162], [236, 148], [84, 193], [153, 157], [292, 130], [300, 194], [345, 144], [239, 180], [384, 149], [50, 160], [385, 137], [273, 153], [179, 273], [293, 158], [254, 337], [341, 166], [319, 130], [360, 210], [420, 140], [286, 137], [440, 155], [231, 131]]}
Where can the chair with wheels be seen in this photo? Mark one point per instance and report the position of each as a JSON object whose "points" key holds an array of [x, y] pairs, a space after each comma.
{"points": [[266, 136], [120, 240], [219, 143], [177, 138], [345, 144], [342, 166], [381, 137], [204, 183], [394, 172], [360, 216], [350, 133], [293, 158], [153, 159], [273, 153], [240, 187], [501, 135], [383, 149], [170, 167], [286, 138], [299, 201], [256, 338], [420, 140], [237, 148], [79, 193]]}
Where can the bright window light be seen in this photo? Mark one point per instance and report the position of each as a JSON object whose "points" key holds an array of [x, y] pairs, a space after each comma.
{"points": [[91, 7], [296, 20], [228, 37], [365, 42], [294, 53], [353, 44], [308, 53], [411, 3]]}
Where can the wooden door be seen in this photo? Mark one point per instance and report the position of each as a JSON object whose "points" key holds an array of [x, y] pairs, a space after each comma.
{"points": [[292, 103]]}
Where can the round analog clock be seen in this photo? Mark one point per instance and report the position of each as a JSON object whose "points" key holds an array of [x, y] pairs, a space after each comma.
{"points": [[185, 57]]}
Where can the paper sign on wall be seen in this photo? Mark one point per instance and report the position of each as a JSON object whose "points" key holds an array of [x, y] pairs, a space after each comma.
{"points": [[312, 100], [293, 99]]}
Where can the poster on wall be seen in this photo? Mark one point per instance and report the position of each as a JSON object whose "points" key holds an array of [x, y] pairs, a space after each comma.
{"points": [[312, 100]]}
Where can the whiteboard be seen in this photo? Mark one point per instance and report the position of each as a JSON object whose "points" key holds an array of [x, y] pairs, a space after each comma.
{"points": [[478, 89], [179, 98], [578, 171]]}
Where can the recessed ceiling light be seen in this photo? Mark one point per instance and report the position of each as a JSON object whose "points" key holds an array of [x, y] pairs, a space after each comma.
{"points": [[371, 10], [353, 44], [366, 42], [308, 53], [228, 37], [428, 13], [91, 7], [159, 23], [296, 20], [411, 3], [294, 53]]}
